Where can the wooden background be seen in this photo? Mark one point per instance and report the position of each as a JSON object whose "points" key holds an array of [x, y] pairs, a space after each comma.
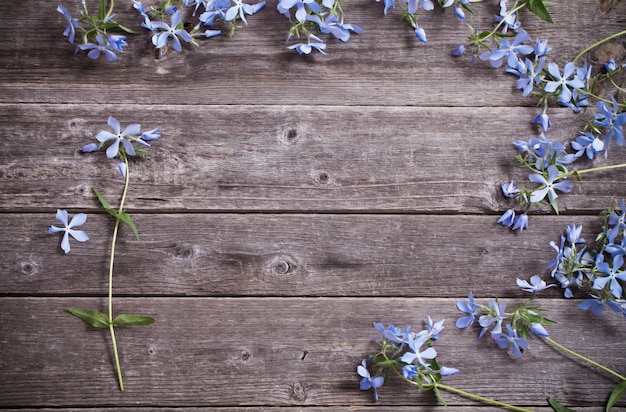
{"points": [[291, 201]]}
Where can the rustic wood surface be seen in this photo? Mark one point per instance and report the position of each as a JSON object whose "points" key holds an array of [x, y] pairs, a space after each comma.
{"points": [[292, 201]]}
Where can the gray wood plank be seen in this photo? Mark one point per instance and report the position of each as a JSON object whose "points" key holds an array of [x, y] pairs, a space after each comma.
{"points": [[386, 65], [279, 352], [283, 255], [224, 158]]}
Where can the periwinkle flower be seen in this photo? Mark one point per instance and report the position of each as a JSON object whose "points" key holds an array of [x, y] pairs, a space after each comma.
{"points": [[594, 304], [471, 310], [510, 190], [120, 136], [544, 120], [587, 144], [566, 82], [517, 344], [520, 223], [159, 39], [549, 185], [389, 4], [508, 51], [508, 218], [417, 354], [617, 223], [535, 285], [72, 23], [434, 328], [301, 8], [614, 275], [68, 228], [240, 9], [102, 47], [367, 382], [459, 50], [493, 319], [612, 121], [313, 43]]}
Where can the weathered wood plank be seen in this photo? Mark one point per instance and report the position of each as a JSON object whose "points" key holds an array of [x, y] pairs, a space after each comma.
{"points": [[271, 352], [384, 66], [217, 158], [283, 255]]}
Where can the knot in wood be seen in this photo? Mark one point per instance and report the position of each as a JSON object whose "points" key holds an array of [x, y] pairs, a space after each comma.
{"points": [[184, 252], [298, 392], [282, 265], [29, 268], [290, 135], [246, 356]]}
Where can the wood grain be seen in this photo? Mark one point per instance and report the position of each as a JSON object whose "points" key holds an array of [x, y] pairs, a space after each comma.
{"points": [[279, 351]]}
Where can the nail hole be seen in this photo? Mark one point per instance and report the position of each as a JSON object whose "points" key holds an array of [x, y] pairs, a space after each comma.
{"points": [[245, 356], [151, 350], [304, 353]]}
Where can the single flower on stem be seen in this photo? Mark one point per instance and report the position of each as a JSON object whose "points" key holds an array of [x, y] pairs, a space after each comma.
{"points": [[68, 228]]}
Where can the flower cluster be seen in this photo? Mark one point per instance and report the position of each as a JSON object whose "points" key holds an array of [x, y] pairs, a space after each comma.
{"points": [[572, 86], [521, 324], [93, 30], [410, 11], [408, 354], [311, 18], [599, 270], [166, 22]]}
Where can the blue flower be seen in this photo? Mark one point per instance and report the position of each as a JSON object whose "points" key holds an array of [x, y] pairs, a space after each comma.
{"points": [[539, 330], [422, 356], [445, 371], [68, 228], [306, 48], [529, 73], [367, 382], [72, 24], [301, 11], [587, 144], [409, 371], [434, 329], [517, 344], [541, 48], [389, 4], [613, 278], [544, 120], [470, 308], [493, 318], [508, 218], [427, 5], [394, 334], [331, 25], [536, 284], [548, 185], [102, 47], [612, 121], [508, 50], [241, 9], [159, 39], [617, 223], [520, 223], [595, 304], [126, 137], [572, 232], [568, 81], [420, 33], [510, 190], [459, 51]]}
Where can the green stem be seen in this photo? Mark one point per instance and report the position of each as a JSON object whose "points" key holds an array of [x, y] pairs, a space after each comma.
{"points": [[111, 262], [596, 44], [476, 397], [583, 358], [598, 169], [451, 389]]}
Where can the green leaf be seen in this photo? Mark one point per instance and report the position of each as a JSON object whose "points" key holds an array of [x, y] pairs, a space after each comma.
{"points": [[617, 394], [132, 320], [101, 10], [539, 8], [558, 407], [92, 317], [125, 217], [104, 203]]}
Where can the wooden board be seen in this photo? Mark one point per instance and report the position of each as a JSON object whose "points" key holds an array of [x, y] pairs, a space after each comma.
{"points": [[292, 201]]}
